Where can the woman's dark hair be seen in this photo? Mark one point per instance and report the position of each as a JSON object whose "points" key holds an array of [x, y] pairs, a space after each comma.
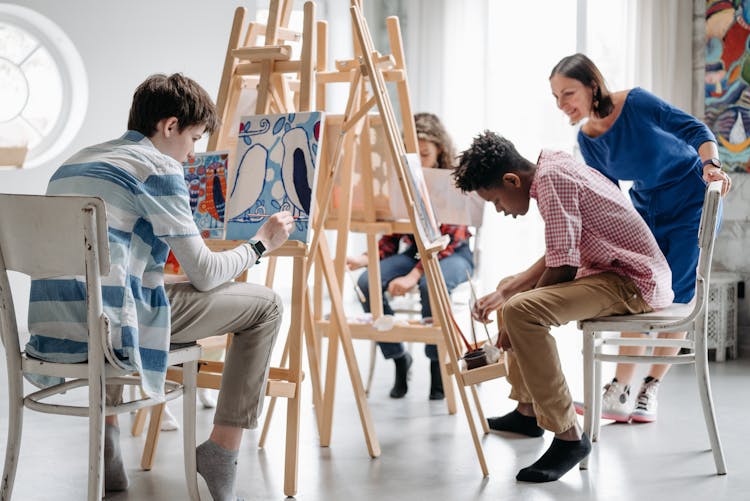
{"points": [[487, 160], [162, 96], [430, 128], [583, 69]]}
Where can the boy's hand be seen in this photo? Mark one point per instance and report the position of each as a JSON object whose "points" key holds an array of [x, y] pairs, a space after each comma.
{"points": [[493, 301], [276, 230], [356, 262], [503, 341]]}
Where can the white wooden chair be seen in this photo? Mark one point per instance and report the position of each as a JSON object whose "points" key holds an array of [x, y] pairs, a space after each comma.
{"points": [[51, 236], [674, 318]]}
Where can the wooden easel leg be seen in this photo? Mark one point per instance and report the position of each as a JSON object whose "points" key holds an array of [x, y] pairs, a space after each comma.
{"points": [[152, 437], [294, 342], [272, 403], [313, 360], [337, 314], [472, 428], [330, 388], [139, 422], [480, 412], [448, 388]]}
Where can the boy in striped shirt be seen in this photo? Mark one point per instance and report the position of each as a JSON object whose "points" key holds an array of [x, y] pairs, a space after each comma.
{"points": [[140, 177], [600, 259]]}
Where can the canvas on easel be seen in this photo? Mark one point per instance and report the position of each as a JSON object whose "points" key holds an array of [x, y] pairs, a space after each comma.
{"points": [[277, 156], [426, 223], [383, 185], [205, 177], [371, 64], [451, 205]]}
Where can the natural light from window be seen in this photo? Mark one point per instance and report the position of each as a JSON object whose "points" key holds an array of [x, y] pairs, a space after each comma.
{"points": [[43, 88]]}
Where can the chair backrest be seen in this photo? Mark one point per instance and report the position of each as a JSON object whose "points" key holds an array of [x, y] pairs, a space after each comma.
{"points": [[50, 236], [706, 238]]}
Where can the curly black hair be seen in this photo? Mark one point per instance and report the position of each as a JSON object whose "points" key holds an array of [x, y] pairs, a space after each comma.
{"points": [[486, 161]]}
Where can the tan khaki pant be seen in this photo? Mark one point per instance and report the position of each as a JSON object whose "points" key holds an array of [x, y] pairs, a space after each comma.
{"points": [[534, 366], [253, 313]]}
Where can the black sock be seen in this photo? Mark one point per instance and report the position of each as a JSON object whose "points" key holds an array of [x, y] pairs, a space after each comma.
{"points": [[515, 422], [561, 456], [436, 381], [400, 386], [648, 379]]}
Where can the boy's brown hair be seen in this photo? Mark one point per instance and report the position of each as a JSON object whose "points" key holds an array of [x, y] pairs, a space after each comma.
{"points": [[161, 96]]}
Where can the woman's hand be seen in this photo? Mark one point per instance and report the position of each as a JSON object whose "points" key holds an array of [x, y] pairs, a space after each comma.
{"points": [[712, 173], [356, 262]]}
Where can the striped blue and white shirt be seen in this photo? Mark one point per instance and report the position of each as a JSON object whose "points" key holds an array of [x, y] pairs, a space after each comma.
{"points": [[147, 202]]}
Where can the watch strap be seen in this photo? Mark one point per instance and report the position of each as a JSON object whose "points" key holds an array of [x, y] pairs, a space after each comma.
{"points": [[258, 248]]}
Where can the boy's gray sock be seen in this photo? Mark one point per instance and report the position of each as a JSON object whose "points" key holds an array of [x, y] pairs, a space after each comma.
{"points": [[218, 467], [115, 477]]}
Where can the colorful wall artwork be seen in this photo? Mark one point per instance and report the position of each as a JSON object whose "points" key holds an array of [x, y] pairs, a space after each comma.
{"points": [[205, 176], [728, 80], [275, 171]]}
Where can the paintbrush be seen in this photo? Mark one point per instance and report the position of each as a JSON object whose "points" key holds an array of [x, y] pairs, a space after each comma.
{"points": [[474, 301], [299, 218], [360, 294]]}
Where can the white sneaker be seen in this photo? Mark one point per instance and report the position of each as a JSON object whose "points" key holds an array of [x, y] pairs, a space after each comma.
{"points": [[207, 398], [168, 421], [616, 402], [645, 407]]}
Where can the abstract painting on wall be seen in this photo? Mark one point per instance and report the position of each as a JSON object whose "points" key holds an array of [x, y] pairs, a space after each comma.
{"points": [[275, 170], [728, 80], [205, 176]]}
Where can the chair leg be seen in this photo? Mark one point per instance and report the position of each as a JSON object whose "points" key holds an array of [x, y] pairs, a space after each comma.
{"points": [[190, 382], [371, 372], [588, 389], [597, 389], [15, 429], [97, 398], [704, 390]]}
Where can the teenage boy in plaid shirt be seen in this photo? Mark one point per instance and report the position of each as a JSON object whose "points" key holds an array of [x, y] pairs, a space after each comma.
{"points": [[600, 259]]}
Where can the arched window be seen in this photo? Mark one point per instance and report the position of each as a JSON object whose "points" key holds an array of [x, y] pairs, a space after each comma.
{"points": [[43, 85]]}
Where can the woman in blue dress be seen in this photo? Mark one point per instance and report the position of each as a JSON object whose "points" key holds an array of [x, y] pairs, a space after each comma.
{"points": [[669, 155]]}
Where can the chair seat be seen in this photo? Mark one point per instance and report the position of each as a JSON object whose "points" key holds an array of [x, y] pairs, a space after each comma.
{"points": [[80, 370], [651, 321]]}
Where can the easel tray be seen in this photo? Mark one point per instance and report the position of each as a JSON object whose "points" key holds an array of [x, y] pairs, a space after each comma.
{"points": [[485, 373]]}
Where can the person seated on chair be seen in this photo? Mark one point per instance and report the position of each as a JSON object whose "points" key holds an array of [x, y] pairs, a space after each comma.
{"points": [[140, 177], [401, 271], [600, 259]]}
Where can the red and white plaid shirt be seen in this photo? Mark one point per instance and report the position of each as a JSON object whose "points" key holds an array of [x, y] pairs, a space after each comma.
{"points": [[590, 224]]}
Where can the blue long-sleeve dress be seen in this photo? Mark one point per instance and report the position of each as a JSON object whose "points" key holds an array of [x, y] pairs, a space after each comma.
{"points": [[655, 145]]}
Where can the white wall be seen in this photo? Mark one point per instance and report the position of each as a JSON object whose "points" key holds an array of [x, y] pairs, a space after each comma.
{"points": [[121, 43]]}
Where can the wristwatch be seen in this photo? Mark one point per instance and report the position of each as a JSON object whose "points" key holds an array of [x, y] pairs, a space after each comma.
{"points": [[258, 248], [712, 161]]}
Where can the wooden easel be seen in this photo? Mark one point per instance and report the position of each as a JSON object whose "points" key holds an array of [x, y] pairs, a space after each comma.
{"points": [[266, 65], [370, 67]]}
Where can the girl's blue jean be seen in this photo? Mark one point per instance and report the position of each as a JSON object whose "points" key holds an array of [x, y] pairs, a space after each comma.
{"points": [[454, 268]]}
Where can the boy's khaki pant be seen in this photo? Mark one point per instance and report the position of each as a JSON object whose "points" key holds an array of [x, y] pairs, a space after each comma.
{"points": [[253, 313], [534, 367]]}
